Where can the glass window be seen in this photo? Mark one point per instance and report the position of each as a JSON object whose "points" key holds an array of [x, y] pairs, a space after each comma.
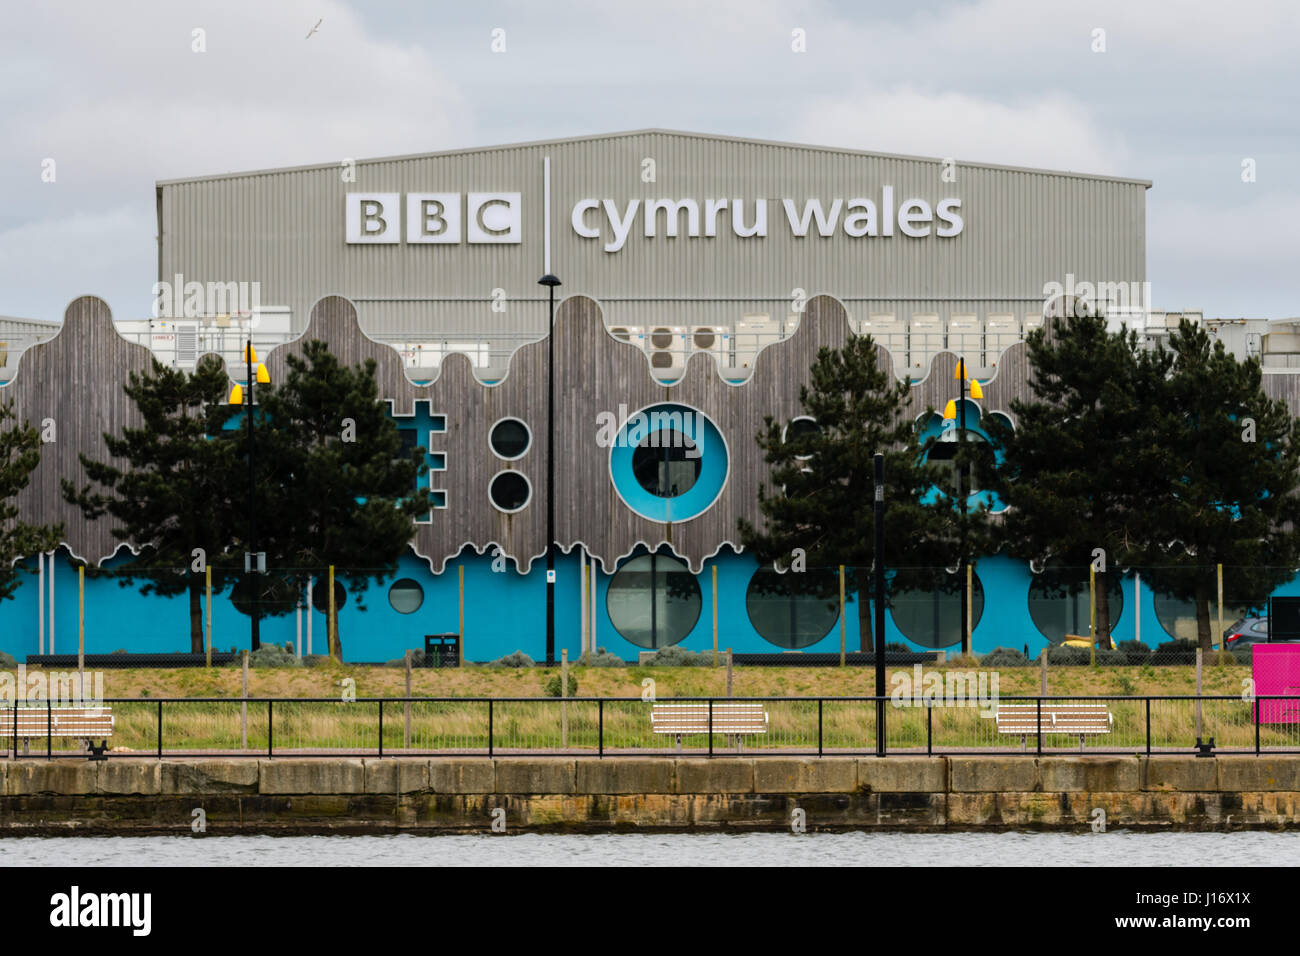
{"points": [[653, 601], [406, 596], [320, 598], [666, 463], [943, 454], [509, 438], [1059, 602], [793, 610], [509, 491], [933, 618], [1178, 617], [801, 430]]}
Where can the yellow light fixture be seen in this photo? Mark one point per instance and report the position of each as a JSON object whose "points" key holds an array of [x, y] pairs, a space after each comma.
{"points": [[237, 395], [960, 371], [975, 390], [949, 410], [263, 376], [250, 354]]}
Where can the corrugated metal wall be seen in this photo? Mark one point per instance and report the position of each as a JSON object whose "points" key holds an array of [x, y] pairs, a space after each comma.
{"points": [[285, 230]]}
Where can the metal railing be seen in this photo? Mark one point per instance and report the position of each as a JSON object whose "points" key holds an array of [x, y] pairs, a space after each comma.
{"points": [[604, 726]]}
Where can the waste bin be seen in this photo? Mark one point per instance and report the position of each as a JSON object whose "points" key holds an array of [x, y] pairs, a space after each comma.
{"points": [[442, 650]]}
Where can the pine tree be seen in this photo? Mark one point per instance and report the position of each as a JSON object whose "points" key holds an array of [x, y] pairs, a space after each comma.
{"points": [[824, 486], [339, 487], [20, 454], [1070, 476], [1228, 470], [172, 495]]}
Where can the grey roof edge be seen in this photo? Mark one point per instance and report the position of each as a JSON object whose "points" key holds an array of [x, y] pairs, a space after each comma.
{"points": [[52, 323], [624, 134]]}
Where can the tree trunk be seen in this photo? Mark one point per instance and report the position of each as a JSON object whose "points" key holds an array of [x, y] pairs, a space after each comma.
{"points": [[196, 614], [864, 620], [1103, 612], [1203, 616]]}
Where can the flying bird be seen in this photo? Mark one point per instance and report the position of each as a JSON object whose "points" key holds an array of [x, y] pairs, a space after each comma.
{"points": [[313, 29]]}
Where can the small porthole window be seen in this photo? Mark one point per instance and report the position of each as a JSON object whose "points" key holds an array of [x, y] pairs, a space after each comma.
{"points": [[510, 438], [800, 433], [406, 596], [509, 491]]}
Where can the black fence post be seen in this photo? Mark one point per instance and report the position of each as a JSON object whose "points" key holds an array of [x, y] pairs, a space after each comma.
{"points": [[381, 726], [15, 726], [1256, 706], [270, 730], [710, 726], [49, 730], [1039, 724], [819, 726], [489, 727], [929, 730], [160, 703], [1148, 726], [600, 727]]}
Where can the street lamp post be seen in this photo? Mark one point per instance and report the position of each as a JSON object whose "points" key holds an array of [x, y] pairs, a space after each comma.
{"points": [[550, 282], [878, 463], [959, 413], [252, 565]]}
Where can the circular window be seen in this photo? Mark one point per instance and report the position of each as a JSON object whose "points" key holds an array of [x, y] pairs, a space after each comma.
{"points": [[275, 595], [653, 601], [1059, 602], [666, 463], [933, 618], [1178, 617], [406, 596], [799, 431], [509, 491], [320, 598], [510, 438], [793, 610]]}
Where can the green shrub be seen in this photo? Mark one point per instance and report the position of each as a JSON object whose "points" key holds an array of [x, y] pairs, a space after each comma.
{"points": [[1108, 657], [680, 657], [1135, 651], [7, 662], [1064, 654], [1181, 651], [1004, 657], [1243, 655], [601, 659], [552, 688], [315, 660], [517, 659], [272, 655], [897, 648]]}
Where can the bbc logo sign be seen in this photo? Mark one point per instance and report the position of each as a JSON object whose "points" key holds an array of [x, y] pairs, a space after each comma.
{"points": [[433, 218]]}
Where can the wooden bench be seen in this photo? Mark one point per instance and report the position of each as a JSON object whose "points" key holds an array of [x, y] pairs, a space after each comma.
{"points": [[87, 723], [1077, 720], [735, 721]]}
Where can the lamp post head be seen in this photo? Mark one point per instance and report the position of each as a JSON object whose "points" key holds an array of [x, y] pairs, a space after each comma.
{"points": [[236, 395], [549, 280]]}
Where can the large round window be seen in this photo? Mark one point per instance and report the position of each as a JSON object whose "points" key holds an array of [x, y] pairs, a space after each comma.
{"points": [[406, 596], [932, 618], [320, 595], [510, 438], [1178, 617], [653, 601], [800, 433], [668, 462], [509, 491], [1059, 602], [793, 610]]}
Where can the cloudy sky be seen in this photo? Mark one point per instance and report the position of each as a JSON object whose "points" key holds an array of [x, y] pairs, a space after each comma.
{"points": [[1183, 94]]}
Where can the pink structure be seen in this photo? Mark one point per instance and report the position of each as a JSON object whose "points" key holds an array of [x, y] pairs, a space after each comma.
{"points": [[1276, 670]]}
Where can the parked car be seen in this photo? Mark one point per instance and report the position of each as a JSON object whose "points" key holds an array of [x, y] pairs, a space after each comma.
{"points": [[1248, 631]]}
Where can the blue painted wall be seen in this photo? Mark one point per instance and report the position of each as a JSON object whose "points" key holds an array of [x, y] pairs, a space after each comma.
{"points": [[504, 612]]}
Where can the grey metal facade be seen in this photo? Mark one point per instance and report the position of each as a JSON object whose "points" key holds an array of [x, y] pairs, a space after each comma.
{"points": [[285, 229]]}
